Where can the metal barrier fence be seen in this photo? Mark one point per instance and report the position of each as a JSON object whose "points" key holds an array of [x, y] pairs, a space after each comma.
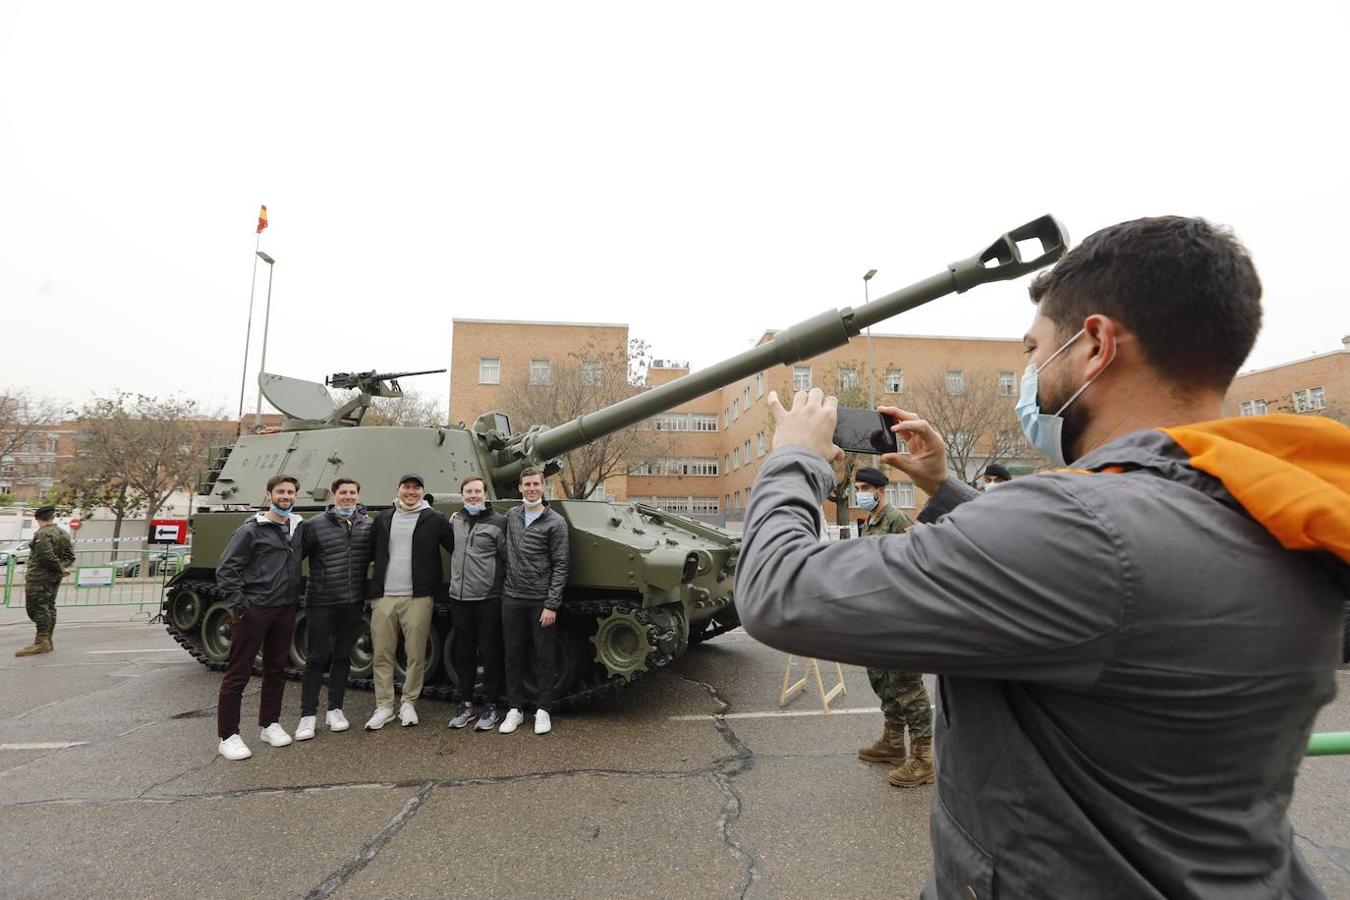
{"points": [[102, 576]]}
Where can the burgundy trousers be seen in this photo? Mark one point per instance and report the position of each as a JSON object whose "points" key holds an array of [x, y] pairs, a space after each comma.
{"points": [[271, 629]]}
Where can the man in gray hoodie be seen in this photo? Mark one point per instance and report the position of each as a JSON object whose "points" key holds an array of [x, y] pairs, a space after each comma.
{"points": [[1130, 652], [407, 539]]}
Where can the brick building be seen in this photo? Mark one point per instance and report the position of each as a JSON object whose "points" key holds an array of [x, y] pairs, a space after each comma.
{"points": [[1318, 385], [716, 441]]}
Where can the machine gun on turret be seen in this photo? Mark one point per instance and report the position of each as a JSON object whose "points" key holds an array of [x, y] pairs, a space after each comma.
{"points": [[368, 384], [308, 405]]}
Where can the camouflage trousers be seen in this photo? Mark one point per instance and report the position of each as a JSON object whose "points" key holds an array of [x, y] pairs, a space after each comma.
{"points": [[904, 700], [40, 602]]}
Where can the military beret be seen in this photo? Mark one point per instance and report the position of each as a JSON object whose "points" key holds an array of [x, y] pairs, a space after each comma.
{"points": [[997, 471], [45, 512], [874, 477]]}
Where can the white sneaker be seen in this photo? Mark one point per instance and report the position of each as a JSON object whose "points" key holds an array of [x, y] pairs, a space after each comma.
{"points": [[542, 723], [233, 747], [336, 721], [275, 735], [382, 715], [512, 721], [407, 715], [305, 730]]}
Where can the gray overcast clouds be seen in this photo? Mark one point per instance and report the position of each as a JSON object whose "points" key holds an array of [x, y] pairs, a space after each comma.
{"points": [[701, 171]]}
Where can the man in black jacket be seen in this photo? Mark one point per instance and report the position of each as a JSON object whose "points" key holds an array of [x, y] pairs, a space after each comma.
{"points": [[536, 573], [337, 545], [259, 574], [406, 547], [477, 569]]}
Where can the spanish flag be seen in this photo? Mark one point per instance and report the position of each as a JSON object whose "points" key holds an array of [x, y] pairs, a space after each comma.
{"points": [[262, 219]]}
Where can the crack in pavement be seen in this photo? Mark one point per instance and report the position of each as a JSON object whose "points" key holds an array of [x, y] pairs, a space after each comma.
{"points": [[373, 846], [1336, 856]]}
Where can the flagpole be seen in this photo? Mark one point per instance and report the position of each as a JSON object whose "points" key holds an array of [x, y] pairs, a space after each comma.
{"points": [[248, 334]]}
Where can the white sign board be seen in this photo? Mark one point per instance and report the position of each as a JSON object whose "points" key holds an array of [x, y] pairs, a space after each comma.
{"points": [[94, 576], [166, 534]]}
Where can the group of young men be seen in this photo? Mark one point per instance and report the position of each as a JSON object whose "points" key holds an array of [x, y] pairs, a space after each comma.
{"points": [[506, 579]]}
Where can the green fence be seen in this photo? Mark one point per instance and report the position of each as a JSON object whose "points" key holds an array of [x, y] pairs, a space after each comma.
{"points": [[127, 576]]}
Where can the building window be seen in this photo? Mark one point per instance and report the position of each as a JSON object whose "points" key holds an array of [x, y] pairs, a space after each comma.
{"points": [[745, 450], [726, 463], [1310, 399], [895, 381], [735, 458], [737, 496], [726, 418], [696, 466], [848, 379], [801, 378], [745, 398], [759, 444], [489, 370], [682, 422], [1253, 408], [1007, 384], [759, 385], [590, 372], [956, 382], [900, 494], [735, 408], [540, 371]]}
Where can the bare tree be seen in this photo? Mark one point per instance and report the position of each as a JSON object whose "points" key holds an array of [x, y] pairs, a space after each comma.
{"points": [[412, 409], [590, 379], [24, 421], [978, 424], [135, 451]]}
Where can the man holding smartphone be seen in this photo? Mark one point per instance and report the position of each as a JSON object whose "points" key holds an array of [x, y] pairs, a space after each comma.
{"points": [[904, 699]]}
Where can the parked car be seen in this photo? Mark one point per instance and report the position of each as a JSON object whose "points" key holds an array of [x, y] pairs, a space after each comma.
{"points": [[129, 565], [18, 550]]}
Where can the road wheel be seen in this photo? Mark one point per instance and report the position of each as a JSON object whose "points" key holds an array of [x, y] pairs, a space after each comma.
{"points": [[185, 612], [300, 641], [363, 650], [216, 628]]}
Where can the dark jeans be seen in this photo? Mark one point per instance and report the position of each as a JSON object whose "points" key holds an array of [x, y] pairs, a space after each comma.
{"points": [[478, 635], [268, 627], [330, 632], [520, 627]]}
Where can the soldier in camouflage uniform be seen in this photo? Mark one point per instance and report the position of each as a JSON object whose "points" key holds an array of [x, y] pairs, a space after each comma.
{"points": [[904, 700], [49, 561]]}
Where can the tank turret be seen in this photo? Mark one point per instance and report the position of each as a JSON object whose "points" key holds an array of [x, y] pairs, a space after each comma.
{"points": [[644, 584]]}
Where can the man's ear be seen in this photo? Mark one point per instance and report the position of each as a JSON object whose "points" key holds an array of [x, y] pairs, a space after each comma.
{"points": [[1102, 334]]}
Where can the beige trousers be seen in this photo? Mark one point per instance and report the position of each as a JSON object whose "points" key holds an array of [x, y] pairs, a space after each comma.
{"points": [[388, 617]]}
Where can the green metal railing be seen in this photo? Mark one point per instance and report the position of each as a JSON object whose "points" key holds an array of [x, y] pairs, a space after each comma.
{"points": [[1330, 743], [127, 576]]}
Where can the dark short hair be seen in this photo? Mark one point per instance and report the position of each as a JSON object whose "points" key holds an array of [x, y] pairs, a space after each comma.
{"points": [[1187, 289], [278, 479], [997, 471], [340, 481], [531, 470], [44, 513], [472, 478]]}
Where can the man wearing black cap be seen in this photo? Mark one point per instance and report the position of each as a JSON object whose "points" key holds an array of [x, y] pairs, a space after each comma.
{"points": [[406, 549], [48, 562], [904, 700], [994, 476]]}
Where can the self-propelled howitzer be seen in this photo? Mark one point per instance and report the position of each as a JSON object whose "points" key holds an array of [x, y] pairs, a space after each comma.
{"points": [[643, 584]]}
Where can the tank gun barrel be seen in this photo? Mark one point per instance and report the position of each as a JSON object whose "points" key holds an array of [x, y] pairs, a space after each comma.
{"points": [[1002, 260]]}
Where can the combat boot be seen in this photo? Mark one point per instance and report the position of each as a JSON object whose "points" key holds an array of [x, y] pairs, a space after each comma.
{"points": [[41, 644], [889, 748], [918, 768]]}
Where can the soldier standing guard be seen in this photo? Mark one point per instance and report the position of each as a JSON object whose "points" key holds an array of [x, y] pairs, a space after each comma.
{"points": [[904, 700], [49, 562]]}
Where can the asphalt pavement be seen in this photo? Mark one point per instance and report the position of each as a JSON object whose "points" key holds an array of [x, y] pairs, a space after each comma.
{"points": [[692, 783]]}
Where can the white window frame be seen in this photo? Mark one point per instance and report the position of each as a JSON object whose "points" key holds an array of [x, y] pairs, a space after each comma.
{"points": [[1253, 408], [1310, 399], [760, 444], [955, 381], [759, 385], [801, 378], [900, 494], [489, 370], [848, 378], [895, 381], [541, 371], [735, 408], [1007, 384], [592, 372]]}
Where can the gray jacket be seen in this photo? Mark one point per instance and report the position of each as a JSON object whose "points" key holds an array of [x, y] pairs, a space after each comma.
{"points": [[537, 557], [478, 563], [1129, 665], [261, 564]]}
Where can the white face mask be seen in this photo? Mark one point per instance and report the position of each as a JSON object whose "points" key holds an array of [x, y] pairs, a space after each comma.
{"points": [[990, 485], [1043, 431]]}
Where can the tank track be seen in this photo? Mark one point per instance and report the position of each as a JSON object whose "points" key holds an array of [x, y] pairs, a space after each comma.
{"points": [[664, 641]]}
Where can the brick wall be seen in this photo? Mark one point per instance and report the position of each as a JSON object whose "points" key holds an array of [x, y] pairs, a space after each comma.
{"points": [[1275, 386]]}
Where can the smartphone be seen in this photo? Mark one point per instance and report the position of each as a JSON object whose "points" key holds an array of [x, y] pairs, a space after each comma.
{"points": [[864, 431]]}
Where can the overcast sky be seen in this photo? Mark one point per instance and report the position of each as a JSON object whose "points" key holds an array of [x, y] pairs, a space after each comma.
{"points": [[701, 171]]}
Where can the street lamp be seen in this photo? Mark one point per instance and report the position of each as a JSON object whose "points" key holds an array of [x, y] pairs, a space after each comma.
{"points": [[267, 317], [871, 400]]}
